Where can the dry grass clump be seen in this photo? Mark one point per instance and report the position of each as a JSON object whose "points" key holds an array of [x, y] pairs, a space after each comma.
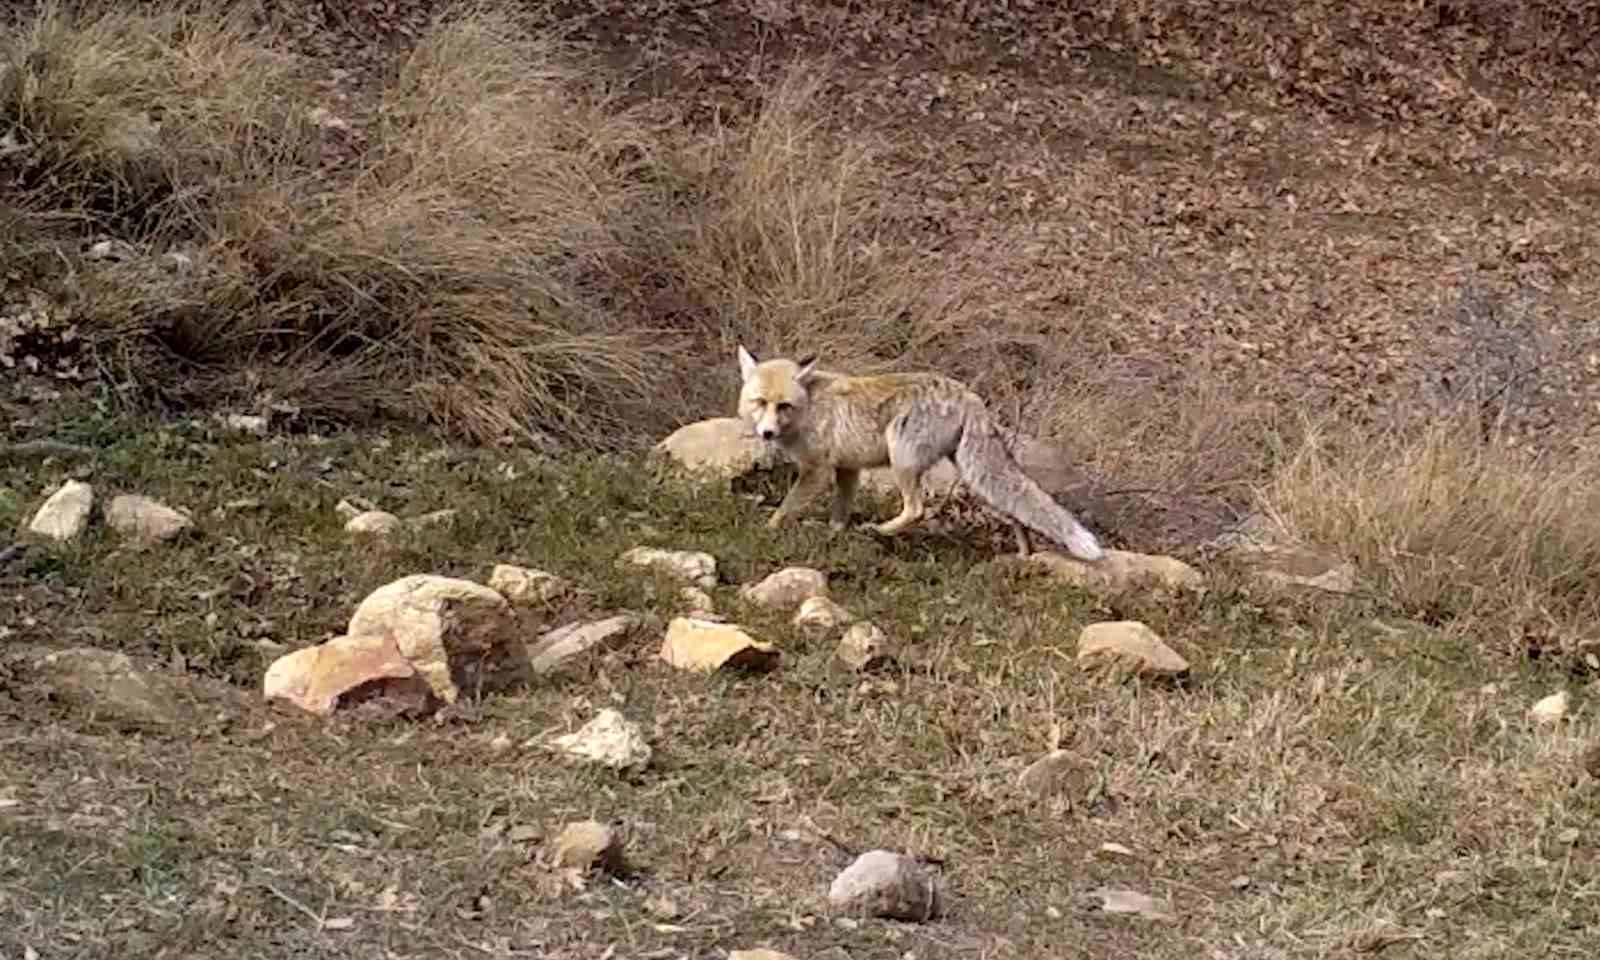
{"points": [[1447, 526], [133, 117]]}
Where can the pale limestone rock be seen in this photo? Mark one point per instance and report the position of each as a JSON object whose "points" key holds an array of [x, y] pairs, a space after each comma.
{"points": [[373, 522], [693, 565], [886, 884], [316, 678], [586, 845], [433, 618], [721, 448], [1132, 642], [550, 651], [705, 646], [865, 646], [787, 588], [1120, 570], [822, 613], [1550, 709], [65, 514], [700, 603], [610, 740], [143, 519], [526, 586]]}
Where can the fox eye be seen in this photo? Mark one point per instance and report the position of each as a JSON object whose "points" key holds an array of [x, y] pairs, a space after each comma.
{"points": [[785, 406]]}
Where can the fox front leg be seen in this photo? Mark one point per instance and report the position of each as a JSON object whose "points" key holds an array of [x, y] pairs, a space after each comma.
{"points": [[811, 482]]}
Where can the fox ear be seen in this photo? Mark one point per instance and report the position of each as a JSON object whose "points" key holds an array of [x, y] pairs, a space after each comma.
{"points": [[808, 366], [747, 363]]}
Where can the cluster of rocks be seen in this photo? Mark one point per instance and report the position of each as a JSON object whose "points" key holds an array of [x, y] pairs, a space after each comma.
{"points": [[66, 513]]}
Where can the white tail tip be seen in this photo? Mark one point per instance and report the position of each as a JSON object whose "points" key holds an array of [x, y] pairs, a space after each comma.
{"points": [[1083, 545]]}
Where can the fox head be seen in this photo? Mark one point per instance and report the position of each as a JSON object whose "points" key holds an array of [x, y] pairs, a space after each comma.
{"points": [[773, 397]]}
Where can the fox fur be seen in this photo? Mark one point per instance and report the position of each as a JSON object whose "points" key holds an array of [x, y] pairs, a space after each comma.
{"points": [[833, 426]]}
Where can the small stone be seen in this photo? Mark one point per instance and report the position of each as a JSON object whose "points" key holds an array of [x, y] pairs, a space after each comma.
{"points": [[434, 519], [588, 844], [525, 586], [865, 647], [144, 519], [550, 651], [246, 423], [1132, 901], [1112, 850], [1119, 570], [704, 645], [692, 565], [352, 507], [1550, 709], [65, 514], [1046, 775], [886, 884], [610, 740], [787, 588], [760, 953], [378, 522], [822, 613], [1131, 642], [700, 602]]}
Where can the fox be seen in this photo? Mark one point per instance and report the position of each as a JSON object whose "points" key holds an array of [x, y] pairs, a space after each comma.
{"points": [[834, 425]]}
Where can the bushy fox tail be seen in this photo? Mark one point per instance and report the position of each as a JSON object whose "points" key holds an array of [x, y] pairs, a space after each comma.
{"points": [[987, 466]]}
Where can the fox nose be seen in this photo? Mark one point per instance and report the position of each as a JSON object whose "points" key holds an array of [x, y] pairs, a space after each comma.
{"points": [[767, 433]]}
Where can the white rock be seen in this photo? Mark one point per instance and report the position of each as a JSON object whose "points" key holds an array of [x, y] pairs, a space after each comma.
{"points": [[1132, 642], [700, 603], [315, 679], [865, 646], [373, 522], [550, 651], [692, 565], [609, 739], [787, 588], [525, 585], [1550, 709], [1134, 902], [720, 448], [434, 519], [246, 423], [144, 519], [588, 844], [823, 613], [759, 953], [886, 884], [64, 515]]}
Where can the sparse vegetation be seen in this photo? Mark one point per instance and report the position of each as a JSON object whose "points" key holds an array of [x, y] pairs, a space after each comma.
{"points": [[1222, 255]]}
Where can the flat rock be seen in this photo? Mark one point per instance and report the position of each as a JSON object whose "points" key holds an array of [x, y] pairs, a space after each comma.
{"points": [[787, 588], [694, 566], [822, 613], [526, 586], [1119, 570], [588, 845], [104, 686], [550, 651], [436, 621], [610, 739], [1131, 642], [865, 646], [143, 519], [317, 679], [65, 514], [705, 646], [372, 523], [886, 884]]}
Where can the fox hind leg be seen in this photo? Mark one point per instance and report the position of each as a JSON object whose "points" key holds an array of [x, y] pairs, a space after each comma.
{"points": [[916, 442]]}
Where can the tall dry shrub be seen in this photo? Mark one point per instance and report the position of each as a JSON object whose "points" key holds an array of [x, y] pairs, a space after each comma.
{"points": [[1447, 526], [134, 118]]}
